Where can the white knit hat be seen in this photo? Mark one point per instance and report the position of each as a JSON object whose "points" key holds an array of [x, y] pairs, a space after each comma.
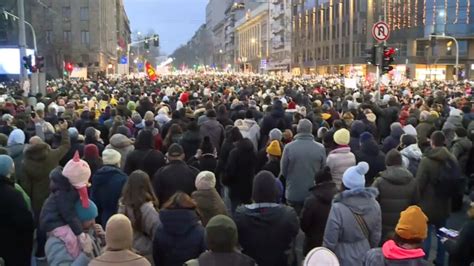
{"points": [[321, 256], [111, 157], [205, 180]]}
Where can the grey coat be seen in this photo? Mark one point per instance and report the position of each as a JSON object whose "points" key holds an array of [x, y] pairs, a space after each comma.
{"points": [[300, 162], [343, 235]]}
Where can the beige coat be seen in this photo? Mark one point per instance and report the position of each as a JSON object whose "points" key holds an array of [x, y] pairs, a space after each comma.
{"points": [[117, 258]]}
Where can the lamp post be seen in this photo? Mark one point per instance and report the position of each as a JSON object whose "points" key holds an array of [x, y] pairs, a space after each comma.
{"points": [[457, 50]]}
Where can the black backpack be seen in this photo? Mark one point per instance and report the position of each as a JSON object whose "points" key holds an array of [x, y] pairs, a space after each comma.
{"points": [[451, 181]]}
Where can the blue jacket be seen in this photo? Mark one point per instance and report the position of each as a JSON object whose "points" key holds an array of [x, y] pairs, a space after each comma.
{"points": [[106, 190], [179, 237], [300, 162]]}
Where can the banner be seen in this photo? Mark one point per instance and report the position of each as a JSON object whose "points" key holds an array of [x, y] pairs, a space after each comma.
{"points": [[150, 71]]}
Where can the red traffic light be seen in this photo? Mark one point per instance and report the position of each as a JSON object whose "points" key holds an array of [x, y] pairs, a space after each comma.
{"points": [[69, 67], [389, 51]]}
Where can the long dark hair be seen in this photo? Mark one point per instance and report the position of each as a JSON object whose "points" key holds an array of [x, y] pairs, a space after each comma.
{"points": [[179, 200], [174, 130], [136, 192]]}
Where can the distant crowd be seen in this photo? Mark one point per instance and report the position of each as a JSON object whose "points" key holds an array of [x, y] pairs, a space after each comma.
{"points": [[230, 169]]}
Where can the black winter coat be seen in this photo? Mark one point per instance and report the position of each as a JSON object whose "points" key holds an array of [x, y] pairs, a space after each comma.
{"points": [[148, 160], [240, 171], [397, 190], [174, 177], [273, 166], [265, 233], [461, 250], [370, 153], [315, 214], [16, 226], [179, 238], [190, 142]]}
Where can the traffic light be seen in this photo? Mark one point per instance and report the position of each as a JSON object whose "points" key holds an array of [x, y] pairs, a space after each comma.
{"points": [[156, 40], [69, 67], [371, 56], [146, 45], [27, 62], [388, 53], [39, 61]]}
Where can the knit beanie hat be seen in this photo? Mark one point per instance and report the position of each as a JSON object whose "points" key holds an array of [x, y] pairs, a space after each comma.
{"points": [[321, 256], [73, 133], [136, 118], [17, 136], [274, 148], [304, 126], [461, 132], [149, 116], [407, 140], [393, 158], [410, 130], [265, 188], [91, 151], [275, 134], [323, 175], [424, 115], [78, 173], [412, 224], [86, 213], [205, 180], [354, 177], [111, 157], [118, 233], [322, 132], [221, 234], [131, 105], [366, 137], [342, 137], [6, 165]]}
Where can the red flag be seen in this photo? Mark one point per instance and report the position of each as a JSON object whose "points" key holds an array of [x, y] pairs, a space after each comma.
{"points": [[150, 71]]}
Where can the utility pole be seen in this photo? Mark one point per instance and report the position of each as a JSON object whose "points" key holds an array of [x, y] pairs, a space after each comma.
{"points": [[22, 39]]}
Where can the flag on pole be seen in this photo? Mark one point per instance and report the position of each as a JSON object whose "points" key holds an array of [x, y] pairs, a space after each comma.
{"points": [[150, 71]]}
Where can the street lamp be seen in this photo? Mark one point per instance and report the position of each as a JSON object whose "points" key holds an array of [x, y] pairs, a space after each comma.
{"points": [[457, 49]]}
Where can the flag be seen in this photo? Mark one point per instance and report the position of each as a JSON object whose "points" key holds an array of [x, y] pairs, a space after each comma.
{"points": [[150, 71]]}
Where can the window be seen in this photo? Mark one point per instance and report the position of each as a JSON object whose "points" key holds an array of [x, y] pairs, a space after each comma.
{"points": [[85, 37], [66, 12], [49, 36], [67, 36], [84, 13]]}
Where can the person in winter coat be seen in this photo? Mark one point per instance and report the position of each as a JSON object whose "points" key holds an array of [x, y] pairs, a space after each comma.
{"points": [[405, 247], [15, 147], [57, 252], [92, 136], [424, 130], [121, 144], [76, 145], [436, 207], [397, 190], [180, 236], [357, 128], [262, 158], [145, 157], [107, 185], [274, 119], [354, 224], [16, 225], [454, 119], [274, 156], [92, 157], [232, 136], [249, 128], [138, 203], [208, 201], [411, 153], [300, 162], [370, 153], [213, 129], [174, 177], [266, 228], [239, 173], [316, 209], [222, 241], [393, 140], [340, 158], [461, 249], [461, 149], [38, 161], [174, 135], [321, 256], [119, 239], [191, 140], [205, 158]]}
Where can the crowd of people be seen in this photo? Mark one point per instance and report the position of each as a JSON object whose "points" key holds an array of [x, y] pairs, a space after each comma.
{"points": [[230, 169]]}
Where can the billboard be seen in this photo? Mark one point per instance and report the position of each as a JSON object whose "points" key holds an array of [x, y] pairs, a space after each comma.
{"points": [[10, 60]]}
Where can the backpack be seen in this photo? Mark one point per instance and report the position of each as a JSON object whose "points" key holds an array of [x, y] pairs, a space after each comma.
{"points": [[450, 181]]}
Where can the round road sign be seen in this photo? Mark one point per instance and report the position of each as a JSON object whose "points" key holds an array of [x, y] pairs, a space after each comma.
{"points": [[380, 31]]}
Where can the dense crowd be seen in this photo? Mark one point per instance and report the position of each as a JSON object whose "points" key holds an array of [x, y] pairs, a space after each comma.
{"points": [[229, 169]]}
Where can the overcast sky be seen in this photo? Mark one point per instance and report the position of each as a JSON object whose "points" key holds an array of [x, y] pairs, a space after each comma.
{"points": [[174, 20]]}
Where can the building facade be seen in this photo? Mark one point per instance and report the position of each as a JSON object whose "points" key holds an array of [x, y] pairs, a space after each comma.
{"points": [[280, 28], [85, 33]]}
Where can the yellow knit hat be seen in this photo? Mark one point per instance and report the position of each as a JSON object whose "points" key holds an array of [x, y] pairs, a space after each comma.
{"points": [[412, 224], [342, 136], [274, 148]]}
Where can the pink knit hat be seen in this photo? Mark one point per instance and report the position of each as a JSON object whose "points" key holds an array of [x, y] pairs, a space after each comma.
{"points": [[78, 173]]}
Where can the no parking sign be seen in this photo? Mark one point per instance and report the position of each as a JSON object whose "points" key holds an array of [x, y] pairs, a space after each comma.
{"points": [[380, 31]]}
